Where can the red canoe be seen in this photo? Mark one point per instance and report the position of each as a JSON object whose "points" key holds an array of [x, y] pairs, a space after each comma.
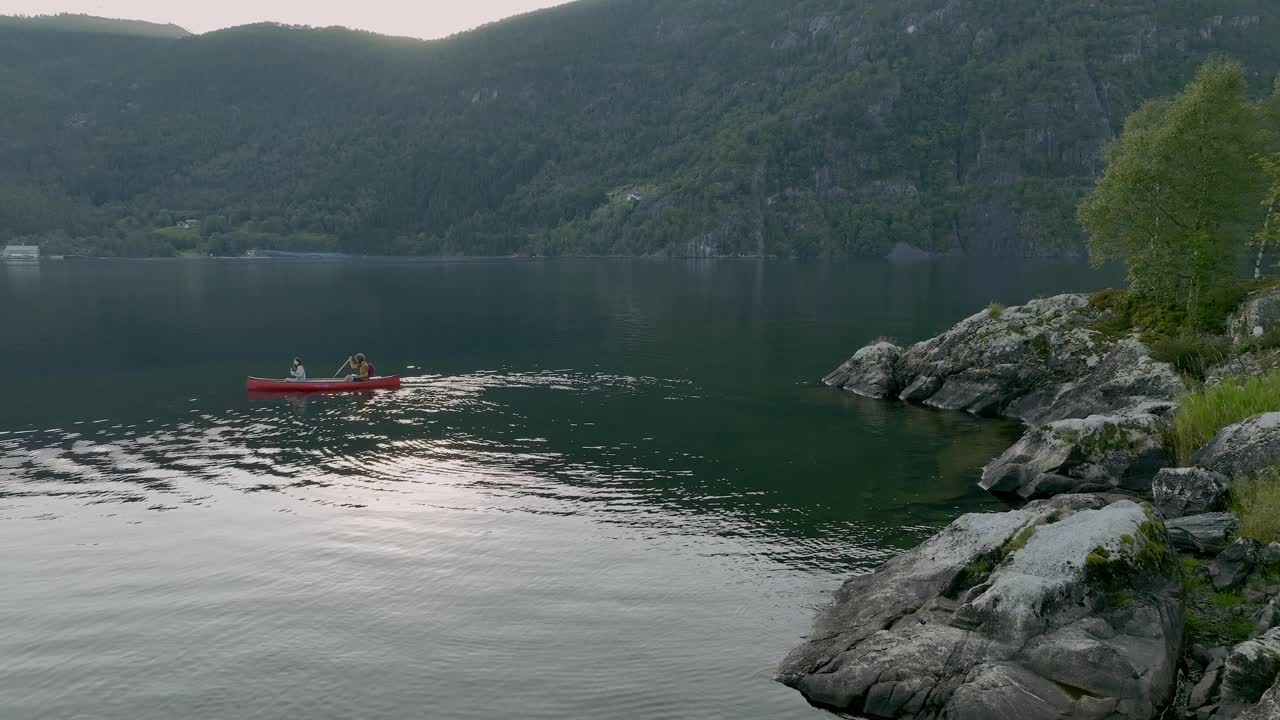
{"points": [[321, 385]]}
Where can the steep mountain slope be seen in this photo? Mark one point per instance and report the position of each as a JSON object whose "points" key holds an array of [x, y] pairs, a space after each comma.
{"points": [[690, 127]]}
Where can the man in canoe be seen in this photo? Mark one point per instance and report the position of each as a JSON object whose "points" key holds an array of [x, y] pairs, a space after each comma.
{"points": [[363, 368]]}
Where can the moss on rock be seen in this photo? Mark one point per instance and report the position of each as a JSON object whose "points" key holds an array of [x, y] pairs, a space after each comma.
{"points": [[1111, 572], [1214, 618]]}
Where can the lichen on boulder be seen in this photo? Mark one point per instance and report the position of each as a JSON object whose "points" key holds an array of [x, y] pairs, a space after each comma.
{"points": [[1246, 447], [1067, 608], [1251, 669], [1126, 380], [1188, 491], [1232, 566]]}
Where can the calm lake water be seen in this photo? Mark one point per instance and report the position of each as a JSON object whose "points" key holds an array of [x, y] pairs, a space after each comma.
{"points": [[608, 488]]}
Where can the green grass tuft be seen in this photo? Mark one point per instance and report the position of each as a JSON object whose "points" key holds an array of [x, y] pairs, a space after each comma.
{"points": [[995, 310], [1120, 599], [1193, 574], [1206, 411], [1192, 582], [1256, 501], [1193, 355], [1215, 628], [1097, 564], [979, 568], [1214, 618], [1239, 629], [1019, 541], [1098, 555], [973, 574], [1227, 600], [1192, 624]]}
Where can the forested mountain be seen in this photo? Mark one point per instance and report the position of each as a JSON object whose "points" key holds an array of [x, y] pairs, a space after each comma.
{"points": [[690, 127], [90, 24]]}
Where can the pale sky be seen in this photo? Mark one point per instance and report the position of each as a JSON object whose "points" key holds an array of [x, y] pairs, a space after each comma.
{"points": [[418, 18]]}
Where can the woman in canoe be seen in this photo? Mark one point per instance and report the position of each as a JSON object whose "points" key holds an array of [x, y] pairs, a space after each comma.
{"points": [[363, 368], [298, 373]]}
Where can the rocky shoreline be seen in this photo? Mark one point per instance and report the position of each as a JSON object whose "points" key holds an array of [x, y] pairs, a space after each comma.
{"points": [[1118, 588]]}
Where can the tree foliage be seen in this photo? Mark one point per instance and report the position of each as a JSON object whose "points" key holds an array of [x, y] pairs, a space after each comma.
{"points": [[1180, 184], [813, 128]]}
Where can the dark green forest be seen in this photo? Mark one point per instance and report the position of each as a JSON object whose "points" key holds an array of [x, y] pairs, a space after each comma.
{"points": [[815, 128]]}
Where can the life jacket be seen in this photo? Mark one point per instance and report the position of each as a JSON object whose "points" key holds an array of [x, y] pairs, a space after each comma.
{"points": [[373, 372]]}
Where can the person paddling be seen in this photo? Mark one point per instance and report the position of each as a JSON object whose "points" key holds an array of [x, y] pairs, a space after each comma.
{"points": [[363, 368], [298, 372]]}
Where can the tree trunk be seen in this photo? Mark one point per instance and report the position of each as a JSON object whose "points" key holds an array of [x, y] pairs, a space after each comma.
{"points": [[1262, 241]]}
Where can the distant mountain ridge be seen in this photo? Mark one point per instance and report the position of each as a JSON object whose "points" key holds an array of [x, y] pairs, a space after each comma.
{"points": [[814, 128], [72, 22]]}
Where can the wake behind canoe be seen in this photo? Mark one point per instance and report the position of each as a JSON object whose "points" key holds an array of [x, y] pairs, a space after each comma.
{"points": [[254, 384]]}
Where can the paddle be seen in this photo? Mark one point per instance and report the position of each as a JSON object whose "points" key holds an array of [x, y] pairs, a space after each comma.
{"points": [[341, 367]]}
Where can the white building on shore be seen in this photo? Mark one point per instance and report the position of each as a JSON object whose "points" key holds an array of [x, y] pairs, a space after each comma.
{"points": [[20, 252]]}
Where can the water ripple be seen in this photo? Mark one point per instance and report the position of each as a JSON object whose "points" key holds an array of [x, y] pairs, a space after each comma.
{"points": [[455, 441]]}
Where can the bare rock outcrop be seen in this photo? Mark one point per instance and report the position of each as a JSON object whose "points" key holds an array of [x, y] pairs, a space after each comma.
{"points": [[1037, 362], [1067, 608], [1205, 533], [1259, 315], [874, 371], [1094, 454]]}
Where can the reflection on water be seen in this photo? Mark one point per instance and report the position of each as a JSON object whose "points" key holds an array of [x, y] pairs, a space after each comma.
{"points": [[611, 490], [496, 536], [477, 432], [22, 277]]}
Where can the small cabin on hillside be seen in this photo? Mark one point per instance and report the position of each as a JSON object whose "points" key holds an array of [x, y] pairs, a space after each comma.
{"points": [[20, 252]]}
